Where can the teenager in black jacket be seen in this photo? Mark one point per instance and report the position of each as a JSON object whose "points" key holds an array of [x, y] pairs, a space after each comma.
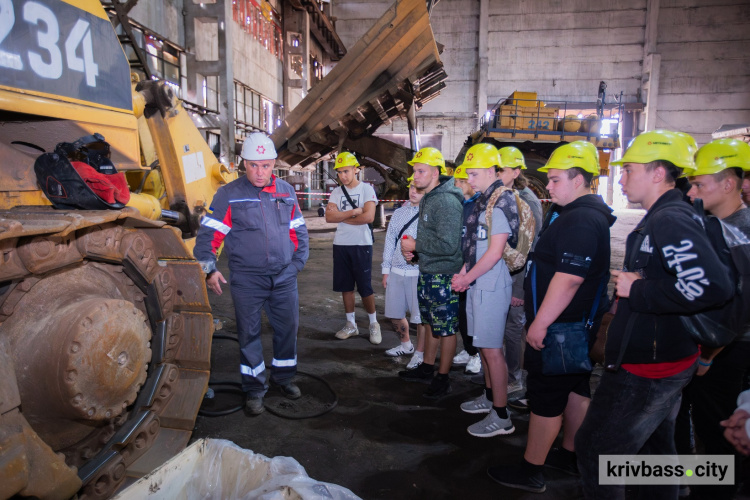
{"points": [[671, 270]]}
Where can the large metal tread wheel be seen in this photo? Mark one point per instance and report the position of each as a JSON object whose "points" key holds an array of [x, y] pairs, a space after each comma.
{"points": [[105, 339]]}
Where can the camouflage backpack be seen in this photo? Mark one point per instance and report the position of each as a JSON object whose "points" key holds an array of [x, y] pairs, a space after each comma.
{"points": [[515, 258]]}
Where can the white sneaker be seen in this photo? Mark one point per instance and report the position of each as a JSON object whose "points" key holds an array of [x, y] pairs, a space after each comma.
{"points": [[478, 405], [515, 387], [375, 337], [350, 330], [475, 364], [491, 425], [399, 350], [416, 360], [461, 358]]}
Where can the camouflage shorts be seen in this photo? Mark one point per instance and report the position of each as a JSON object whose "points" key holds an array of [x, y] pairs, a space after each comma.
{"points": [[438, 303]]}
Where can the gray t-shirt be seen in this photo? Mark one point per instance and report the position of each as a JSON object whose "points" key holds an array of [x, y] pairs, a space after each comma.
{"points": [[498, 276]]}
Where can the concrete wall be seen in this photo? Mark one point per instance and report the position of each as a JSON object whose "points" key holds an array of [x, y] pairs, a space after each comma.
{"points": [[705, 65], [163, 17], [562, 49], [256, 67]]}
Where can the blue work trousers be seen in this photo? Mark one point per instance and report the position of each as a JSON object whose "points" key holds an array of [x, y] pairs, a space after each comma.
{"points": [[629, 415], [277, 295]]}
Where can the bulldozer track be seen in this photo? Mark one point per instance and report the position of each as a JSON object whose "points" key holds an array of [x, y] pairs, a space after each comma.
{"points": [[105, 321]]}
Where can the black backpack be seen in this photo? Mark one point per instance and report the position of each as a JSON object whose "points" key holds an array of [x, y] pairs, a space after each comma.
{"points": [[718, 327]]}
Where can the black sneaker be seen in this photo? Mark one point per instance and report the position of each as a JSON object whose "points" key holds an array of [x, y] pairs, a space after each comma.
{"points": [[562, 460], [519, 405], [515, 477], [420, 373], [439, 387]]}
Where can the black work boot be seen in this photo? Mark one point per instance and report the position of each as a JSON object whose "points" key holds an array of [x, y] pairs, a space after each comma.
{"points": [[420, 373]]}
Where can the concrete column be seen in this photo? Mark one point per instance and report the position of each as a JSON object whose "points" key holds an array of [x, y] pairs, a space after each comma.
{"points": [[651, 68], [295, 88], [482, 76], [220, 13]]}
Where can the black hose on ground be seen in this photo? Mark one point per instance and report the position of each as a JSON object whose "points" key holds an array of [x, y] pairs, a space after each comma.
{"points": [[236, 388]]}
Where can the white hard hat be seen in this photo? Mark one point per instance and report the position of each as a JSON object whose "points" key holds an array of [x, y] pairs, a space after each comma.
{"points": [[258, 146]]}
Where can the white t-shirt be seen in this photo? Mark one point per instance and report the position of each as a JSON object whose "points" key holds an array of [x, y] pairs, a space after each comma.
{"points": [[350, 234]]}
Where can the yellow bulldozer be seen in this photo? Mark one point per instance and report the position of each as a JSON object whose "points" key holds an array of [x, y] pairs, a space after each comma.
{"points": [[105, 325]]}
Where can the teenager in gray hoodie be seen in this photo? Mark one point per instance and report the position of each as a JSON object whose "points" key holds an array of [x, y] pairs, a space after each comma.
{"points": [[438, 251]]}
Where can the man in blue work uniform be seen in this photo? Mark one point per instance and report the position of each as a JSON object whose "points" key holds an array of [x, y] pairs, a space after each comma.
{"points": [[258, 219]]}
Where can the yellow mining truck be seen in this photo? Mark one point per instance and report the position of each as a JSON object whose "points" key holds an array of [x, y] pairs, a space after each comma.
{"points": [[105, 325], [538, 127]]}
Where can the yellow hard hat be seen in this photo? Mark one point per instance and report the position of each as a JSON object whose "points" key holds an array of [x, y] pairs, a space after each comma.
{"points": [[460, 173], [721, 154], [512, 157], [659, 145], [482, 155], [345, 160], [429, 156], [409, 181], [581, 154]]}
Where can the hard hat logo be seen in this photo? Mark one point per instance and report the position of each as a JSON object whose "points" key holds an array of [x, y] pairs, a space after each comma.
{"points": [[429, 156], [470, 156], [258, 146], [346, 159]]}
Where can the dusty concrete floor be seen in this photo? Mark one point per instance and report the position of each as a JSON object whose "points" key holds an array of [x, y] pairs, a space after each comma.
{"points": [[383, 440]]}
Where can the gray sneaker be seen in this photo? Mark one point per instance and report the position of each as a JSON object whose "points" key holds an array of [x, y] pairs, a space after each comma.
{"points": [[478, 405], [491, 425], [350, 330], [254, 406]]}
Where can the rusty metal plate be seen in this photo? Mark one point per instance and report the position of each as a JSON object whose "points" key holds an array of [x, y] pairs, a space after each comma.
{"points": [[182, 408], [195, 354], [168, 443], [49, 477], [11, 266], [102, 243], [9, 395], [168, 247], [45, 253], [189, 286]]}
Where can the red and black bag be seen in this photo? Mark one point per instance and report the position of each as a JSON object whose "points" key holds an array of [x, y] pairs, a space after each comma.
{"points": [[80, 175]]}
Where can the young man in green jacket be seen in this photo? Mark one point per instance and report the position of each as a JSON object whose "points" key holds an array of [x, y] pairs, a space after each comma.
{"points": [[438, 251]]}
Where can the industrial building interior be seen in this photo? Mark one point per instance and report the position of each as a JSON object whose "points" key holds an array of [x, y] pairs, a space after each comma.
{"points": [[378, 78]]}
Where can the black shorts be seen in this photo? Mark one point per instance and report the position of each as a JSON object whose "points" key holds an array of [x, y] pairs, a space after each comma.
{"points": [[352, 264], [548, 394]]}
